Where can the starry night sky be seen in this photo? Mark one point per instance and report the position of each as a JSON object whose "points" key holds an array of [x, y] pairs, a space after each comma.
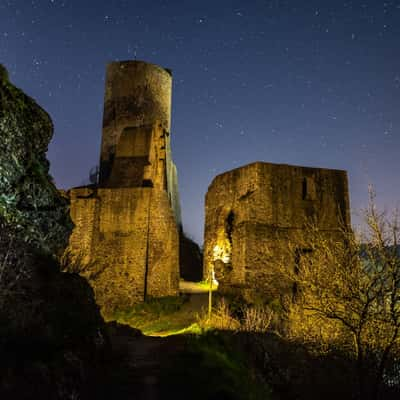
{"points": [[314, 83]]}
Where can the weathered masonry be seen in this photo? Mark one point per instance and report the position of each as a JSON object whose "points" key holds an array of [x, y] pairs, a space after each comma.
{"points": [[253, 212], [126, 234]]}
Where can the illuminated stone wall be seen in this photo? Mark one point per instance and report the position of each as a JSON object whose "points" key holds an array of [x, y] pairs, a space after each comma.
{"points": [[135, 146], [128, 242], [254, 211], [126, 235], [137, 94]]}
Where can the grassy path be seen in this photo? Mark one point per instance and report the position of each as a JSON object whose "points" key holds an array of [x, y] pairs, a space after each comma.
{"points": [[195, 367], [170, 361]]}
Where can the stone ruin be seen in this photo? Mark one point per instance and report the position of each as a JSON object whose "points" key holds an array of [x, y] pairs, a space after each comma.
{"points": [[126, 236], [254, 212]]}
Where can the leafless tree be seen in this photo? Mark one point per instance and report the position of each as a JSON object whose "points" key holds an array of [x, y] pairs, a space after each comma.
{"points": [[348, 295]]}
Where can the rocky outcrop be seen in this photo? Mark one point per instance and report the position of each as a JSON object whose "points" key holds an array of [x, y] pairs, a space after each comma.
{"points": [[50, 327], [29, 201]]}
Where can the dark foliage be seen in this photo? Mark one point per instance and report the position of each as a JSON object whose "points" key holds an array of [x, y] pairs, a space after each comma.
{"points": [[297, 371]]}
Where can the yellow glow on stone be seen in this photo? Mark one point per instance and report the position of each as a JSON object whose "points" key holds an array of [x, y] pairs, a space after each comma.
{"points": [[222, 251]]}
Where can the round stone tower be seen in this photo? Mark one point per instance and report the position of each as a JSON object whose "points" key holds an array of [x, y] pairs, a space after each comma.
{"points": [[137, 94]]}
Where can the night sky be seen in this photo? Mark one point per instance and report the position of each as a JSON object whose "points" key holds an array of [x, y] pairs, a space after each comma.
{"points": [[314, 83]]}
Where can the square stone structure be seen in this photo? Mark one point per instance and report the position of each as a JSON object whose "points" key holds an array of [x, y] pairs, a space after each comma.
{"points": [[126, 236], [254, 211]]}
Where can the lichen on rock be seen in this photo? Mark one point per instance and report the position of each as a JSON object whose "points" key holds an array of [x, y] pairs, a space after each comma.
{"points": [[29, 201]]}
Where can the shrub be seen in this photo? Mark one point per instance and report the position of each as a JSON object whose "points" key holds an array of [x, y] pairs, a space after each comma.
{"points": [[256, 319]]}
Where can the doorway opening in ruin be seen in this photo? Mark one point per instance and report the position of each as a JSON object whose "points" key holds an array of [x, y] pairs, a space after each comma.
{"points": [[229, 226], [222, 249]]}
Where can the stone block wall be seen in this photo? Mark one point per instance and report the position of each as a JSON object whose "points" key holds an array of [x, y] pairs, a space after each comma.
{"points": [[253, 212], [137, 94], [126, 227], [127, 242]]}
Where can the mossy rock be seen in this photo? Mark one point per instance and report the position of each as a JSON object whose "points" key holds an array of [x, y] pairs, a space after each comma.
{"points": [[50, 326], [29, 201]]}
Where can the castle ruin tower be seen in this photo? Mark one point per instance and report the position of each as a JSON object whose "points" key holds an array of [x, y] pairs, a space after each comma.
{"points": [[127, 226], [137, 94], [137, 114]]}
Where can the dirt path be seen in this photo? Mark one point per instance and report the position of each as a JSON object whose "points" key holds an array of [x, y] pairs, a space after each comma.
{"points": [[140, 364], [145, 358]]}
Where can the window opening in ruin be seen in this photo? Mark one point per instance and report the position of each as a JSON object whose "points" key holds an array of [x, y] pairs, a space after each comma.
{"points": [[304, 188], [229, 226], [308, 189], [147, 183]]}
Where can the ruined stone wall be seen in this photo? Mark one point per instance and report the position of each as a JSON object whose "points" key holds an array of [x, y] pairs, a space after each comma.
{"points": [[137, 94], [126, 228], [127, 240], [253, 212], [136, 149]]}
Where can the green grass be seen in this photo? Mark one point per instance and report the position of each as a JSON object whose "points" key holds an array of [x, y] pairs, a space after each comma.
{"points": [[205, 285], [216, 370], [161, 316]]}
